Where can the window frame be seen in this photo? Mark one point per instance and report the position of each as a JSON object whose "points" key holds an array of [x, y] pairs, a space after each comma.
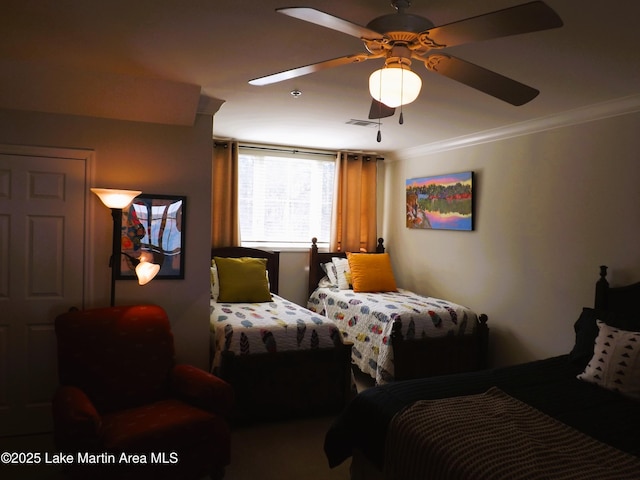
{"points": [[288, 154]]}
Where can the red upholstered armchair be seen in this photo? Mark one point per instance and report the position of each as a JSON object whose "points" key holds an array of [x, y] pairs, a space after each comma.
{"points": [[121, 391]]}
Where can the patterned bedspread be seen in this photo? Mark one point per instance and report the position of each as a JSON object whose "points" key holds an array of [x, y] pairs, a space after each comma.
{"points": [[366, 319], [495, 436], [249, 328]]}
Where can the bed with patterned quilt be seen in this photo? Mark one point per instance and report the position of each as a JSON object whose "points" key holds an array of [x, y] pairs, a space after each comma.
{"points": [[282, 359], [396, 334], [572, 416]]}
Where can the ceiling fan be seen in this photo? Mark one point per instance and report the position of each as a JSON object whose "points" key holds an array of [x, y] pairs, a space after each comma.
{"points": [[401, 37]]}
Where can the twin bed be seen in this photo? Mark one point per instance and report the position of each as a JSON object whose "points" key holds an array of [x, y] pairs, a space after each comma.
{"points": [[285, 360], [572, 416], [397, 335]]}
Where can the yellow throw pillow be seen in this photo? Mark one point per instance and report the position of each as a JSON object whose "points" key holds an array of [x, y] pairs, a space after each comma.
{"points": [[371, 272], [242, 280]]}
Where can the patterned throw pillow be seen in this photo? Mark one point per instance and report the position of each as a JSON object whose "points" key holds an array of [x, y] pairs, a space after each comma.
{"points": [[615, 364], [330, 269], [215, 283], [342, 272]]}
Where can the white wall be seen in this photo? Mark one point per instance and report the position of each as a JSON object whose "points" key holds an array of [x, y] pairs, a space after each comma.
{"points": [[550, 208], [294, 275], [154, 158]]}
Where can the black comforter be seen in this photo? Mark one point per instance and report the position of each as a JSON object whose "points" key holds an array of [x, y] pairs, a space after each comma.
{"points": [[549, 385]]}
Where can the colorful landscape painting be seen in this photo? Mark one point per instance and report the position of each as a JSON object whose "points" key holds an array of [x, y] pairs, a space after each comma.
{"points": [[443, 202]]}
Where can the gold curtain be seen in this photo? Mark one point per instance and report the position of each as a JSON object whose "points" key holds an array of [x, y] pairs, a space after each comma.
{"points": [[354, 226], [225, 228]]}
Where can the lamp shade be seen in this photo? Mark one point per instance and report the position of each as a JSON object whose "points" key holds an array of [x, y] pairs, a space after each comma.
{"points": [[395, 85], [116, 198], [146, 271]]}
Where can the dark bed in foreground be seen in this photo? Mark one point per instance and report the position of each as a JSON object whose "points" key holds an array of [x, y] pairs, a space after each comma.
{"points": [[415, 428]]}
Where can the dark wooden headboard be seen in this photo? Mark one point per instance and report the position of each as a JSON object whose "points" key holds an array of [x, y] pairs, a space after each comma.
{"points": [[316, 259], [621, 300], [273, 260]]}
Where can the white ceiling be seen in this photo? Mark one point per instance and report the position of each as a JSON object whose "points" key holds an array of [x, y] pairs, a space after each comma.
{"points": [[161, 60]]}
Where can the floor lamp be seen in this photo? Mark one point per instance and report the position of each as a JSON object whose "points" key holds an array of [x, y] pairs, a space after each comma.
{"points": [[116, 200]]}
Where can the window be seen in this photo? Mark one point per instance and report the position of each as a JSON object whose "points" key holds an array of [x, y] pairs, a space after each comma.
{"points": [[284, 198]]}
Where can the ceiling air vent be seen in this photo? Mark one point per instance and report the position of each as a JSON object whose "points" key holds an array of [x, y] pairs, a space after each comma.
{"points": [[362, 123]]}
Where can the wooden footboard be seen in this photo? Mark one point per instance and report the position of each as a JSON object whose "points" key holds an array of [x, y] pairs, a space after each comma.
{"points": [[288, 384], [428, 357]]}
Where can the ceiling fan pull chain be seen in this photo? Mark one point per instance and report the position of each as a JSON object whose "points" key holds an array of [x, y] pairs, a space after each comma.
{"points": [[401, 119], [379, 136]]}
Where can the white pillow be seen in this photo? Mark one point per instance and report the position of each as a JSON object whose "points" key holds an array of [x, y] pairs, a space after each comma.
{"points": [[342, 272], [326, 283], [215, 282], [330, 269], [615, 364]]}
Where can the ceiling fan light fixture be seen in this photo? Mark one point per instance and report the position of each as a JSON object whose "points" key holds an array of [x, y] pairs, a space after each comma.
{"points": [[395, 85]]}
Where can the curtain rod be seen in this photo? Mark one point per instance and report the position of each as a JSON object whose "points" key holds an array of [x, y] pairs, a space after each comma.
{"points": [[293, 150], [306, 152], [286, 150]]}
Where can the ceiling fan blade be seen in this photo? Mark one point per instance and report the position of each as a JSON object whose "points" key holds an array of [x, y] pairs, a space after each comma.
{"points": [[529, 17], [486, 81], [307, 69], [380, 110], [330, 21]]}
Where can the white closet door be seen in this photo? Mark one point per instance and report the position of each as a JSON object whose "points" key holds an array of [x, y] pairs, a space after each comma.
{"points": [[42, 231]]}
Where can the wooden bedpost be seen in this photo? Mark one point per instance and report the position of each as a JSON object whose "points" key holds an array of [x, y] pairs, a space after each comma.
{"points": [[483, 342], [313, 267], [602, 287]]}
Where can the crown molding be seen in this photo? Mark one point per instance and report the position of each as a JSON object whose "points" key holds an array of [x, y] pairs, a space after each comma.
{"points": [[50, 87], [598, 111]]}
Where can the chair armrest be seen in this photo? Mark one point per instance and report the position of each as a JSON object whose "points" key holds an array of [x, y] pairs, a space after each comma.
{"points": [[202, 389], [77, 422]]}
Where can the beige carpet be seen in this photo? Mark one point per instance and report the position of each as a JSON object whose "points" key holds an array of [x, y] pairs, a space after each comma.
{"points": [[283, 451]]}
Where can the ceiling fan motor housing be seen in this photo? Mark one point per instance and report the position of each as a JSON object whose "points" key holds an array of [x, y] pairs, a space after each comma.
{"points": [[400, 22]]}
